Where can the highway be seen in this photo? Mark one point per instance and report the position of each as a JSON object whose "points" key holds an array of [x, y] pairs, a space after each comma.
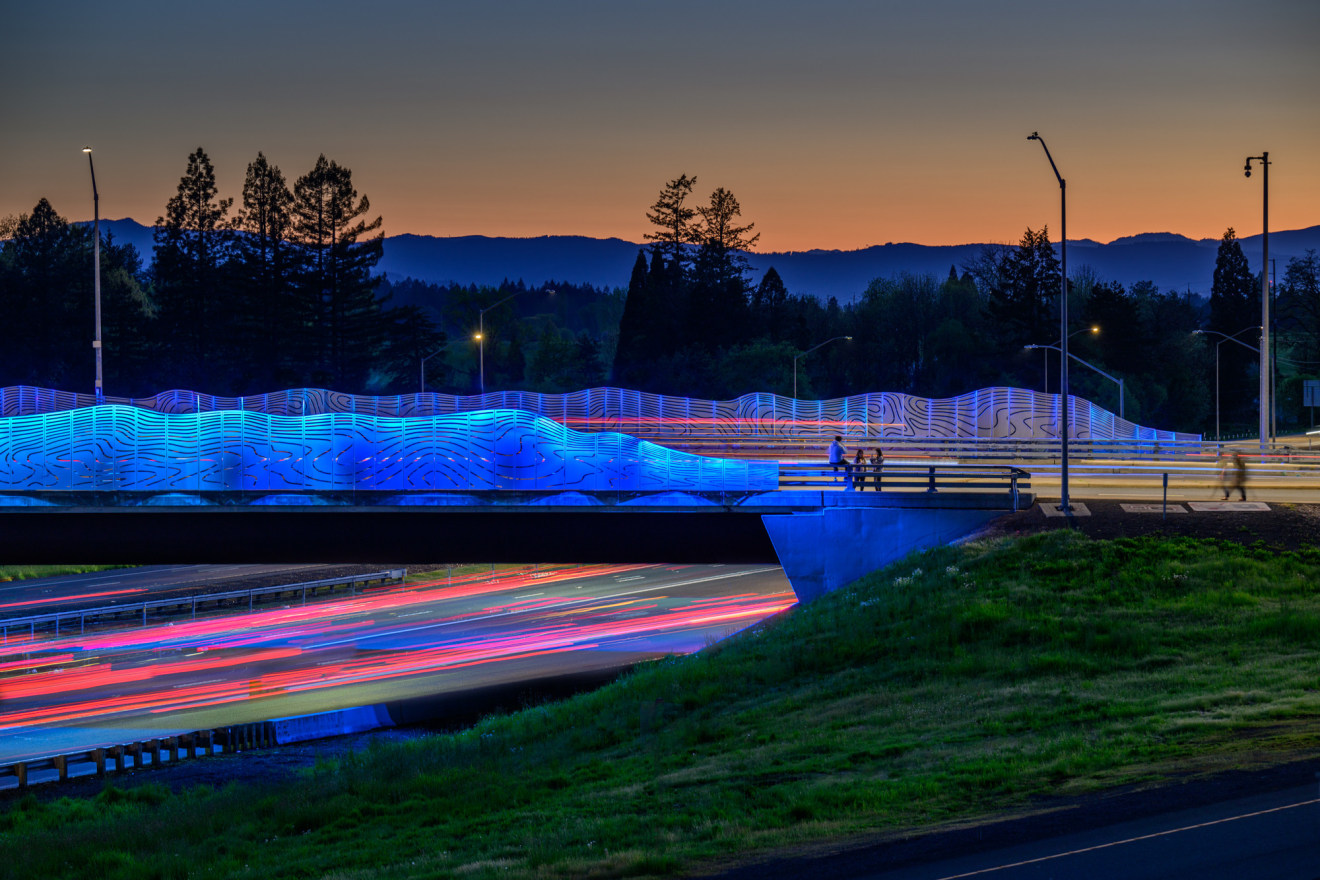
{"points": [[388, 645], [135, 584]]}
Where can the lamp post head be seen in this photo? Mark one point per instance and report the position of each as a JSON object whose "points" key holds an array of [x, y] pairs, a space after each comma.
{"points": [[87, 149], [476, 337], [1034, 136]]}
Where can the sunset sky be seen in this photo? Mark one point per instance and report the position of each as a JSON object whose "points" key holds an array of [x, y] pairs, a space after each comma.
{"points": [[836, 124]]}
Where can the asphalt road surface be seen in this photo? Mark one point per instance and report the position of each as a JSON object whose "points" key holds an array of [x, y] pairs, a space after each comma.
{"points": [[1273, 836], [107, 687]]}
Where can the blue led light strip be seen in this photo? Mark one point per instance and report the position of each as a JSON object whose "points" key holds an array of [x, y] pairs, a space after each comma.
{"points": [[116, 447]]}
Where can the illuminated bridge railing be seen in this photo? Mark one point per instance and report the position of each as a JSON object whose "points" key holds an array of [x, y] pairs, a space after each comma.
{"points": [[125, 448], [989, 413]]}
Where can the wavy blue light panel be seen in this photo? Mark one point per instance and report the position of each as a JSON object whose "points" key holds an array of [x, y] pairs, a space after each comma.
{"points": [[989, 413], [116, 447]]}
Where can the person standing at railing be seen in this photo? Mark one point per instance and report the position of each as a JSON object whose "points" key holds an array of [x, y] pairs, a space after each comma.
{"points": [[857, 473], [877, 465], [838, 454]]}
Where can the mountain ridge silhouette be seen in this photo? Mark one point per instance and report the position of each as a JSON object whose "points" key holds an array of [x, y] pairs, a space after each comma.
{"points": [[1172, 261]]}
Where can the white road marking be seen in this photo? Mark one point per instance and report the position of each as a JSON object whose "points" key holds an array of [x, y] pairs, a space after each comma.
{"points": [[1112, 843]]}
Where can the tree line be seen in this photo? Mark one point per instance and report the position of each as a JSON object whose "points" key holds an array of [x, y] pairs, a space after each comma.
{"points": [[694, 323], [276, 290], [279, 289]]}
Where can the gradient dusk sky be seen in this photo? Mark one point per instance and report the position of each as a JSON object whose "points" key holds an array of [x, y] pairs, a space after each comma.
{"points": [[836, 124]]}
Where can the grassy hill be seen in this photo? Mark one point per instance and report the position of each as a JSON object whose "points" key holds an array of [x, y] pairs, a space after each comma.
{"points": [[963, 683]]}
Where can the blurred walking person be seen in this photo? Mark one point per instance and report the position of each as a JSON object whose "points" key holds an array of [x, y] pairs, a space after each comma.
{"points": [[1239, 476]]}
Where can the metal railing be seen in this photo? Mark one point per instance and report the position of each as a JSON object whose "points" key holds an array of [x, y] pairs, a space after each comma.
{"points": [[907, 477], [151, 753], [143, 613]]}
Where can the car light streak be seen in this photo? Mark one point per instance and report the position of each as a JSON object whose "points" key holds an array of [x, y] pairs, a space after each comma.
{"points": [[165, 669], [49, 600]]}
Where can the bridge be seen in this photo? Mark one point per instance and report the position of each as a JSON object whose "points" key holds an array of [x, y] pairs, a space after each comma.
{"points": [[824, 538], [127, 483]]}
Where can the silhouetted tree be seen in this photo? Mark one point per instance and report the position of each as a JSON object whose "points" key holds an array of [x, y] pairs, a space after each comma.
{"points": [[265, 266], [192, 243], [1235, 307], [1299, 305], [46, 298], [338, 308], [638, 342], [718, 291], [673, 220], [769, 318]]}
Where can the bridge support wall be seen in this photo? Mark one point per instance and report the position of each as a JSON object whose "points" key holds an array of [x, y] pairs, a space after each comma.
{"points": [[829, 549]]}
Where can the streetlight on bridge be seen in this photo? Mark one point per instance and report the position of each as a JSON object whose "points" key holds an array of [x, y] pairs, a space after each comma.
{"points": [[96, 269], [1064, 505], [1265, 403], [481, 330], [436, 352], [1095, 328], [1092, 366], [796, 358]]}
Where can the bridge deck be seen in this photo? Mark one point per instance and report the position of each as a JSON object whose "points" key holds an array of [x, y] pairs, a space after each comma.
{"points": [[486, 527]]}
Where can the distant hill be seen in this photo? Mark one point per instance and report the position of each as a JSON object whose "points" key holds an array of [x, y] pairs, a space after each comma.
{"points": [[1173, 262]]}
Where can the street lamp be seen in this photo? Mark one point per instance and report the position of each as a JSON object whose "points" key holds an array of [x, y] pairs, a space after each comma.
{"points": [[1265, 402], [1092, 366], [481, 331], [436, 352], [807, 352], [96, 277], [1095, 328], [1226, 338], [1064, 504]]}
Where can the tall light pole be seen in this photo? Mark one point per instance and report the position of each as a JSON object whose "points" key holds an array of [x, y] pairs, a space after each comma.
{"points": [[796, 358], [481, 335], [96, 277], [1064, 504], [1227, 338], [1265, 402]]}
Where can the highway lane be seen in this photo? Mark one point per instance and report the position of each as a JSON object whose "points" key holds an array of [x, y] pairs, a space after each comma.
{"points": [[135, 584], [103, 688]]}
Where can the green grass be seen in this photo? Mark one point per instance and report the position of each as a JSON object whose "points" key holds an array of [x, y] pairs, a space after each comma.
{"points": [[961, 683], [27, 572]]}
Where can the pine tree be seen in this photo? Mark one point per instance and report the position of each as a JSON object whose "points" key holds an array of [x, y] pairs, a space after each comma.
{"points": [[769, 306], [265, 264], [1022, 287], [634, 348], [338, 308], [192, 244], [673, 218], [43, 282], [1234, 308], [47, 300], [717, 306]]}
